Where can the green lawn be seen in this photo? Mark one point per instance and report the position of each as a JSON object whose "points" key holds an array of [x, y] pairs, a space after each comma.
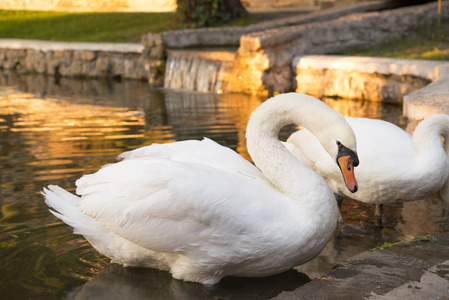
{"points": [[88, 27], [428, 42], [82, 27]]}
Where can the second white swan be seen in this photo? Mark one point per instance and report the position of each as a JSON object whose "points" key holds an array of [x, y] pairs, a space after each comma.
{"points": [[396, 166], [202, 212]]}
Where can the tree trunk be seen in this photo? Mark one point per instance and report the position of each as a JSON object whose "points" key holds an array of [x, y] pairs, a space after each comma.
{"points": [[234, 8]]}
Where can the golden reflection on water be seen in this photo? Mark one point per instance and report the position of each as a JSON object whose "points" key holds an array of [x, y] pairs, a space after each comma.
{"points": [[367, 109]]}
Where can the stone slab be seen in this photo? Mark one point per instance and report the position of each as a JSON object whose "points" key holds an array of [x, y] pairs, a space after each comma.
{"points": [[45, 46], [434, 284], [432, 99], [428, 69], [381, 274]]}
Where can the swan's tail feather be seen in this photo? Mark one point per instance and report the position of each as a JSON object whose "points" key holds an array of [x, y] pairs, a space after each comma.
{"points": [[65, 204], [106, 242]]}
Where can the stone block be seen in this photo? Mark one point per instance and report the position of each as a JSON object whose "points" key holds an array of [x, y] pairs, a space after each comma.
{"points": [[102, 66], [14, 54], [76, 55], [278, 80], [279, 57], [118, 67], [157, 52], [156, 81], [345, 33], [131, 69], [249, 43], [35, 61], [259, 60], [48, 55], [53, 67], [62, 54], [64, 68], [150, 40], [87, 55], [77, 69], [157, 67], [366, 35], [409, 21]]}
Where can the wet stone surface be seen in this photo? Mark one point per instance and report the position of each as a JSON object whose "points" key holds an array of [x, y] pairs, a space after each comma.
{"points": [[415, 271]]}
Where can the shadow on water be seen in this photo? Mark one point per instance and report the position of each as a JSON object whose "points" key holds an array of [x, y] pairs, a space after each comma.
{"points": [[53, 131], [116, 282]]}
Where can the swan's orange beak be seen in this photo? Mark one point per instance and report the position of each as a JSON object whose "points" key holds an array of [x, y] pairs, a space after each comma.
{"points": [[347, 170]]}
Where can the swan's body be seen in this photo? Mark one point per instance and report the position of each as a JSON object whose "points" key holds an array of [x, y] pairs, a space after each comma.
{"points": [[395, 166], [203, 212]]}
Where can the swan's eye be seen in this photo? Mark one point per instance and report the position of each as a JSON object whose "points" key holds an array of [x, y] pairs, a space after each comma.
{"points": [[338, 143]]}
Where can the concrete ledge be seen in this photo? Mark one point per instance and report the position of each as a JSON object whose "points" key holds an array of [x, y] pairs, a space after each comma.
{"points": [[422, 84], [72, 59], [428, 69], [45, 46], [432, 99]]}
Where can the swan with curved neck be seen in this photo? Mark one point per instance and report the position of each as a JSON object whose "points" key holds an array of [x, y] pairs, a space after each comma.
{"points": [[396, 166], [202, 212]]}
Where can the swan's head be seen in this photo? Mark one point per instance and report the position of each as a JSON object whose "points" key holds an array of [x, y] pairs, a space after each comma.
{"points": [[329, 126], [347, 159], [338, 139]]}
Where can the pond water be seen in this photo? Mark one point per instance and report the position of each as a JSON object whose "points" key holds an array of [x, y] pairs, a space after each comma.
{"points": [[52, 131]]}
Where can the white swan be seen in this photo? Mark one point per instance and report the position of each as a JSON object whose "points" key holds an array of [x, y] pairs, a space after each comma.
{"points": [[203, 212], [395, 166]]}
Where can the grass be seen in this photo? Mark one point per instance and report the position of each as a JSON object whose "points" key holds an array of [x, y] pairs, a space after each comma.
{"points": [[428, 42], [82, 27], [88, 27], [387, 245]]}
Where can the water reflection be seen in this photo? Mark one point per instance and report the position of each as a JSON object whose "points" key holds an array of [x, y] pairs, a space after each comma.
{"points": [[54, 131], [116, 282]]}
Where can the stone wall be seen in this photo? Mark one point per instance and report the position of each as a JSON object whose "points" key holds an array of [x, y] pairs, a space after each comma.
{"points": [[280, 5], [366, 78], [74, 59], [266, 57], [230, 36]]}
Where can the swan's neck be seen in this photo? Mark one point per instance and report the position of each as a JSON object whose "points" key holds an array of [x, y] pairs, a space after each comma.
{"points": [[427, 138], [288, 174], [433, 154]]}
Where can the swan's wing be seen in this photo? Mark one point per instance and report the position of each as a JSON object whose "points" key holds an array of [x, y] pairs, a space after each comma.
{"points": [[384, 149], [172, 206], [205, 152], [380, 145], [385, 152]]}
